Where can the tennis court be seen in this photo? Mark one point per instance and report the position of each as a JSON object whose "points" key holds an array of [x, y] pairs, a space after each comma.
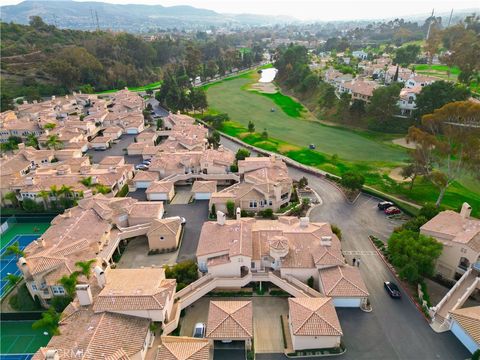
{"points": [[19, 339], [16, 357], [24, 234]]}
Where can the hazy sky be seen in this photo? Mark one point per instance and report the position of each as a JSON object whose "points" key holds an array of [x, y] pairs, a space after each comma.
{"points": [[314, 9]]}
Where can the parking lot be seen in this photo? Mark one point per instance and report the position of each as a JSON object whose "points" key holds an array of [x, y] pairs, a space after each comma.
{"points": [[116, 150]]}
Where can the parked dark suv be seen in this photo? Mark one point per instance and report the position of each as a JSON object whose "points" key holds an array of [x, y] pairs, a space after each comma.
{"points": [[384, 205], [392, 290]]}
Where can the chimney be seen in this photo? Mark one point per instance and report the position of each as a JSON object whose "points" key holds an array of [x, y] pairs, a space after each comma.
{"points": [[326, 241], [84, 294], [52, 355], [53, 97], [304, 221], [29, 180], [220, 218], [466, 210], [100, 275], [239, 213], [21, 146]]}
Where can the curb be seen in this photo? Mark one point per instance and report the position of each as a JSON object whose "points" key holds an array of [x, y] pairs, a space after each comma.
{"points": [[405, 288]]}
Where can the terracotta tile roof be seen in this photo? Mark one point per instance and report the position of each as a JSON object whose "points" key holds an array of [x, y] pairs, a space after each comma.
{"points": [[450, 225], [134, 289], [314, 317], [469, 320], [160, 187], [145, 176], [171, 225], [88, 336], [204, 186], [230, 320], [184, 348], [343, 281]]}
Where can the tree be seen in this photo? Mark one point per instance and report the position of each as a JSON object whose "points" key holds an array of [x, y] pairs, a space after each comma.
{"points": [[406, 55], [49, 126], [11, 143], [413, 254], [302, 182], [214, 139], [49, 322], [251, 127], [44, 195], [433, 42], [242, 154], [69, 283], [15, 250], [184, 272], [159, 124], [12, 197], [264, 134], [198, 98], [32, 141], [54, 142], [12, 279], [328, 97], [6, 102], [85, 267], [352, 180], [230, 208], [383, 106], [438, 94], [449, 143]]}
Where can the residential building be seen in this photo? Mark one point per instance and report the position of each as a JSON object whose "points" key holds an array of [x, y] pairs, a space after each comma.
{"points": [[408, 96], [203, 190], [185, 348], [164, 234], [419, 81], [10, 125], [313, 323], [264, 184], [360, 54], [160, 191], [359, 89], [466, 327]]}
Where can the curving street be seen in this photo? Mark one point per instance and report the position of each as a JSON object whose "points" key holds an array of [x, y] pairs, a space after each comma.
{"points": [[395, 329]]}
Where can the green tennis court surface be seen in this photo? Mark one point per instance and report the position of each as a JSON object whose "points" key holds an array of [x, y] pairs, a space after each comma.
{"points": [[18, 337], [22, 229]]}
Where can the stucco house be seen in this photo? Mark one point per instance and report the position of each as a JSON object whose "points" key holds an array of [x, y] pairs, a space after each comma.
{"points": [[265, 183], [230, 321], [460, 235], [164, 234], [313, 323], [160, 191], [113, 132], [143, 179], [144, 293], [203, 190]]}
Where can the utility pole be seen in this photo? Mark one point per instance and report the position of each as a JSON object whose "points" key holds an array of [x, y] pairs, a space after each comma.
{"points": [[430, 23], [98, 24], [93, 20]]}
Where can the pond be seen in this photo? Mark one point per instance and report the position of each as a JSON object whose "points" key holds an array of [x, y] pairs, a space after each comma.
{"points": [[268, 75]]}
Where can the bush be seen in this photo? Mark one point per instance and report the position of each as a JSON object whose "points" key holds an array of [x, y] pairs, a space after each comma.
{"points": [[184, 272], [123, 191], [230, 208], [266, 214], [310, 281], [352, 180], [246, 213], [337, 231]]}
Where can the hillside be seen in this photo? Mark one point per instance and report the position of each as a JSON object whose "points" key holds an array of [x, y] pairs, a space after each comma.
{"points": [[131, 17]]}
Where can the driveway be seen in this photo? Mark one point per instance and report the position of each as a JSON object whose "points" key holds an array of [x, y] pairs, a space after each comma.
{"points": [[116, 150], [196, 214], [159, 111], [395, 329], [267, 329]]}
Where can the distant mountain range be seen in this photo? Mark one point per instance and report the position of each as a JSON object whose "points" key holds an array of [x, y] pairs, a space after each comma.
{"points": [[134, 18]]}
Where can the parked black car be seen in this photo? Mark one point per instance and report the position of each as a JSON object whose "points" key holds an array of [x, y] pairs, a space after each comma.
{"points": [[392, 290], [384, 205]]}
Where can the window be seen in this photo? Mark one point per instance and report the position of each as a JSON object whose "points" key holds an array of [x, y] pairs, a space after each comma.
{"points": [[58, 290], [34, 287], [270, 203], [253, 265], [253, 204]]}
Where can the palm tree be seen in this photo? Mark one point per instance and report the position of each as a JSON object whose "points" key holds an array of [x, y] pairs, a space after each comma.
{"points": [[44, 195], [32, 141], [66, 191], [12, 279], [69, 283], [85, 267], [12, 197], [54, 191], [49, 321], [88, 181], [54, 142], [14, 249]]}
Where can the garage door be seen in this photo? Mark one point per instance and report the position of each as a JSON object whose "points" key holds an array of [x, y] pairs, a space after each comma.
{"points": [[343, 302], [234, 350], [157, 197], [202, 196], [142, 184]]}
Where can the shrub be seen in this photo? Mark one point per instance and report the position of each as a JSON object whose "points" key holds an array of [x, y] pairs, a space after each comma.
{"points": [[310, 281], [230, 208], [266, 214], [337, 231], [352, 180], [59, 303], [123, 191], [22, 301]]}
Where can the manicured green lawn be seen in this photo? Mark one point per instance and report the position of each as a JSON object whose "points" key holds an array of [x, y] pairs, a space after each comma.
{"points": [[300, 130]]}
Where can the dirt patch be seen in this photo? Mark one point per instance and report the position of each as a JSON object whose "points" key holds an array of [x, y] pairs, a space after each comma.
{"points": [[403, 142], [284, 148], [396, 174], [266, 88]]}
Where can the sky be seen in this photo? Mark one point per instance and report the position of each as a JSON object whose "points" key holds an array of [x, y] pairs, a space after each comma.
{"points": [[314, 9]]}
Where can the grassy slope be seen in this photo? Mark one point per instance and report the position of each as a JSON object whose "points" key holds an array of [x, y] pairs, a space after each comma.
{"points": [[152, 86], [364, 150]]}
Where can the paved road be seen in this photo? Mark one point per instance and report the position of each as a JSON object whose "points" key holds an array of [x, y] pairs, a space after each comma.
{"points": [[395, 329], [159, 111], [196, 214], [116, 150]]}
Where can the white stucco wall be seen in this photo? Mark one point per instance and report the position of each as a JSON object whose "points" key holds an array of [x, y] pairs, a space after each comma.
{"points": [[301, 274], [154, 315], [464, 338]]}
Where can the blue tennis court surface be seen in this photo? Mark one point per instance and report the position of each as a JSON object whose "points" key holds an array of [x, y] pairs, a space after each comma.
{"points": [[16, 357], [8, 263]]}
